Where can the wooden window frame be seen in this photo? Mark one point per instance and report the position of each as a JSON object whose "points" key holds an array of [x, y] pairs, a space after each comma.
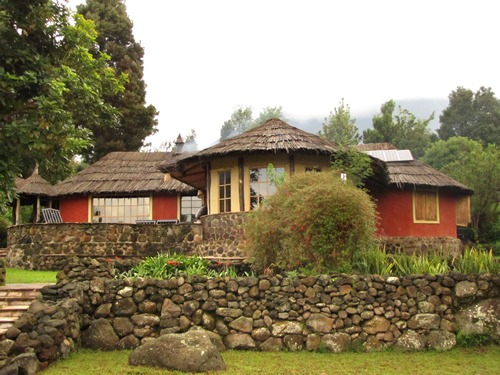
{"points": [[414, 204], [224, 200], [265, 188]]}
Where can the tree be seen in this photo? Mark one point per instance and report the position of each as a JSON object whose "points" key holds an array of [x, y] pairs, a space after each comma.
{"points": [[403, 130], [116, 39], [242, 120], [475, 166], [51, 89], [340, 128], [472, 115]]}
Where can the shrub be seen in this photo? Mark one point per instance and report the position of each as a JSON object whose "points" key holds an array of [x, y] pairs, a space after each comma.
{"points": [[314, 220], [3, 232], [475, 260]]}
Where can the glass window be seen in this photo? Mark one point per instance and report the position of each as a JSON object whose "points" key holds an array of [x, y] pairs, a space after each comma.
{"points": [[260, 185], [225, 191], [189, 207], [120, 209]]}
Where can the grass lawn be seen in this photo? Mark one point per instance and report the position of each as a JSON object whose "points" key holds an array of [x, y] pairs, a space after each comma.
{"points": [[16, 276], [479, 360]]}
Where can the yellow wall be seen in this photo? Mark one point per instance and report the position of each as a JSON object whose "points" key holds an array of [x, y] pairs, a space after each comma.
{"points": [[255, 161]]}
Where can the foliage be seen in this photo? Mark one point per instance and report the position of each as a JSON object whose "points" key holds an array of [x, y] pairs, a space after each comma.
{"points": [[356, 165], [51, 89], [242, 362], [403, 129], [242, 120], [475, 166], [3, 232], [340, 128], [472, 115], [164, 266], [476, 260], [472, 339], [377, 261], [115, 38], [315, 220]]}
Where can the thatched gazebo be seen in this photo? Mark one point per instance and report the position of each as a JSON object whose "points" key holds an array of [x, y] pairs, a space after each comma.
{"points": [[34, 191]]}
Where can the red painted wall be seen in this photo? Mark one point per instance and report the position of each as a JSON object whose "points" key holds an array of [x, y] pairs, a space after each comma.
{"points": [[74, 209], [164, 207], [395, 208]]}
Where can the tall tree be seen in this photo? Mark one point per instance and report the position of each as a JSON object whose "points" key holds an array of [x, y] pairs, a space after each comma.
{"points": [[242, 120], [403, 129], [475, 166], [472, 115], [51, 89], [116, 39], [340, 128]]}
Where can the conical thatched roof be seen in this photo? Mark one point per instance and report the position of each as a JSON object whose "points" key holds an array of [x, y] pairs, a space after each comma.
{"points": [[35, 185], [274, 135], [124, 173], [416, 173]]}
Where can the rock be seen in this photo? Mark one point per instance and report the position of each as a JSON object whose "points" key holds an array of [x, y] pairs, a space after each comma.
{"points": [[261, 334], [27, 363], [192, 351], [335, 343], [214, 337], [376, 324], [143, 320], [465, 289], [281, 328], [242, 324], [293, 343], [272, 344], [170, 309], [124, 307], [129, 342], [239, 341], [424, 321], [441, 340], [100, 335], [410, 341], [5, 346], [123, 326], [480, 318], [319, 323]]}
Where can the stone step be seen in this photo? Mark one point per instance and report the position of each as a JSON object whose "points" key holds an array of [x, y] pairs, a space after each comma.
{"points": [[13, 310]]}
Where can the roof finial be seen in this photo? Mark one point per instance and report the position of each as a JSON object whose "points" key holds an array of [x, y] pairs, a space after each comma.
{"points": [[179, 144]]}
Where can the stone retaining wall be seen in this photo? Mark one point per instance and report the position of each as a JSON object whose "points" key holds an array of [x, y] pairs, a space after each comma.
{"points": [[422, 245], [268, 313]]}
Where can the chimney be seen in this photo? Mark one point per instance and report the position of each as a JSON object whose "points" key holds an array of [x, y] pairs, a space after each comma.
{"points": [[179, 145]]}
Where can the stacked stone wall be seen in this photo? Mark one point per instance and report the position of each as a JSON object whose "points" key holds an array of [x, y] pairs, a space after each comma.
{"points": [[46, 246], [269, 313]]}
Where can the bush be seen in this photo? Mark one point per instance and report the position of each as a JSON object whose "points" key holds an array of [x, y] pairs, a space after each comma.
{"points": [[3, 232], [314, 220]]}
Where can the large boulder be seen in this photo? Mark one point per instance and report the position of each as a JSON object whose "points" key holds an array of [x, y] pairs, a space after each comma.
{"points": [[192, 351], [100, 335], [480, 318]]}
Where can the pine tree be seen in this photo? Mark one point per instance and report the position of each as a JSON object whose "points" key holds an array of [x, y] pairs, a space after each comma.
{"points": [[137, 120]]}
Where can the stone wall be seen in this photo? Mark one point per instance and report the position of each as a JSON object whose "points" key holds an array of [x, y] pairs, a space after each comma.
{"points": [[335, 313], [422, 245], [45, 246]]}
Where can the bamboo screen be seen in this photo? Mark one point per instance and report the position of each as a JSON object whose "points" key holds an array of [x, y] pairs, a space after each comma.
{"points": [[425, 207], [463, 211]]}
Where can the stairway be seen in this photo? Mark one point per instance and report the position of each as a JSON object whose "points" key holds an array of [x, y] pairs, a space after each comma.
{"points": [[14, 300]]}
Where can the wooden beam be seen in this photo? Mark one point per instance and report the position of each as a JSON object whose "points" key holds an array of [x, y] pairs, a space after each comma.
{"points": [[291, 158]]}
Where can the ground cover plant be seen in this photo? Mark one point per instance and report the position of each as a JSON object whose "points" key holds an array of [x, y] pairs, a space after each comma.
{"points": [[17, 276], [478, 360], [377, 261]]}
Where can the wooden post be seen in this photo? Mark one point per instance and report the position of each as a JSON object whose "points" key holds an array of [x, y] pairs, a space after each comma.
{"points": [[36, 215], [292, 164], [209, 182], [17, 211], [241, 183]]}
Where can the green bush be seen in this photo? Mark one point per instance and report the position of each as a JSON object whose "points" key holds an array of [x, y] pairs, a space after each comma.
{"points": [[314, 220], [3, 232]]}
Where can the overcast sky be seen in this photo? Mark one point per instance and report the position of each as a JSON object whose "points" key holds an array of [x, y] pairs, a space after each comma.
{"points": [[203, 59]]}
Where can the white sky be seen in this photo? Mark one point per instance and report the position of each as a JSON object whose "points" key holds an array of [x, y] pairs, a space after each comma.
{"points": [[204, 58]]}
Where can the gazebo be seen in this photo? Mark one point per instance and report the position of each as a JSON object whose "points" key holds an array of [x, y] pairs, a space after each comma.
{"points": [[34, 191]]}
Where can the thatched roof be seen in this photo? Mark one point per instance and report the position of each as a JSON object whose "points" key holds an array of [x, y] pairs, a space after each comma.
{"points": [[375, 146], [124, 173], [274, 136], [416, 173], [35, 185]]}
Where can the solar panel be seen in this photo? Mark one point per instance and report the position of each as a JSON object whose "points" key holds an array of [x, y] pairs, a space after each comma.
{"points": [[391, 155]]}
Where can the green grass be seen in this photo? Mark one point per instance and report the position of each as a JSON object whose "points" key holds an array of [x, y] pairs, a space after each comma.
{"points": [[479, 360], [17, 276]]}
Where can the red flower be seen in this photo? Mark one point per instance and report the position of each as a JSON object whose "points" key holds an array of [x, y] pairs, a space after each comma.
{"points": [[117, 257], [219, 264], [108, 260]]}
